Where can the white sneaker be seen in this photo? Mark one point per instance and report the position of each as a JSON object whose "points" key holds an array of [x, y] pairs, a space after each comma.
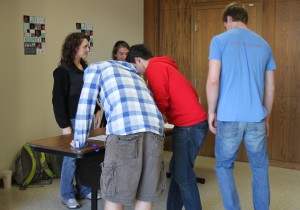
{"points": [[89, 196], [71, 203]]}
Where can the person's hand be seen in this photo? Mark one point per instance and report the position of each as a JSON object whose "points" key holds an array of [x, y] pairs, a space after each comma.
{"points": [[67, 130], [165, 119], [97, 119], [267, 126], [212, 122]]}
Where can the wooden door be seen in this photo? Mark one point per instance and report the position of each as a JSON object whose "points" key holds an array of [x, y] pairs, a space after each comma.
{"points": [[174, 36], [286, 108], [206, 23]]}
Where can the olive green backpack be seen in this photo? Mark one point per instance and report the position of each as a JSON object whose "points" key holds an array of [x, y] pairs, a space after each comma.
{"points": [[31, 168]]}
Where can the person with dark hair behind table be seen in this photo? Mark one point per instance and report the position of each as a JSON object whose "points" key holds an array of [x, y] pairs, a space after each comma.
{"points": [[68, 82]]}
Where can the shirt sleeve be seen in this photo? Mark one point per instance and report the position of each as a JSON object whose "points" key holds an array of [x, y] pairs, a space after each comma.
{"points": [[86, 107], [159, 85], [60, 97], [214, 50], [271, 62]]}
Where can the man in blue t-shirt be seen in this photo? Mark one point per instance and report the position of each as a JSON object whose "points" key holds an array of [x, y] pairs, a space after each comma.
{"points": [[240, 93]]}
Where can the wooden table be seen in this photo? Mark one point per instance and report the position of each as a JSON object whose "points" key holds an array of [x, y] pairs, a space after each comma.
{"points": [[61, 145], [88, 168]]}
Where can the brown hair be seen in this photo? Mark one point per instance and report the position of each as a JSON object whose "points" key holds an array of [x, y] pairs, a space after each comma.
{"points": [[237, 11], [70, 47], [117, 46]]}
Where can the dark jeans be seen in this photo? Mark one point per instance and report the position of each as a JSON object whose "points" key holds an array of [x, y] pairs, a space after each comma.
{"points": [[183, 189]]}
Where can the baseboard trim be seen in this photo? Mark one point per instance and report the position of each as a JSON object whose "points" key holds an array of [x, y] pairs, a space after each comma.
{"points": [[284, 164]]}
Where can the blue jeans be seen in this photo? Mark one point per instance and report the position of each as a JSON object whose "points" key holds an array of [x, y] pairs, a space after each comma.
{"points": [[183, 190], [67, 189], [228, 140]]}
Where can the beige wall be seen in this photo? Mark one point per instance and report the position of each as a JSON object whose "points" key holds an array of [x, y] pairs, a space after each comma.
{"points": [[26, 80]]}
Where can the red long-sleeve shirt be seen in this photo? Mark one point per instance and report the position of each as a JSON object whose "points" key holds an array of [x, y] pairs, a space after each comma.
{"points": [[173, 93]]}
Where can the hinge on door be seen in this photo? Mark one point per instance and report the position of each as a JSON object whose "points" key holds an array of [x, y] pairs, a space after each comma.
{"points": [[196, 26]]}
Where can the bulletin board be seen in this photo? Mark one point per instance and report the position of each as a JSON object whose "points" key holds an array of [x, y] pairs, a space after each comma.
{"points": [[34, 35]]}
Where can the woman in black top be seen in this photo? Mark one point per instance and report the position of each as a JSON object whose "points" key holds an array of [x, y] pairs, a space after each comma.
{"points": [[68, 82]]}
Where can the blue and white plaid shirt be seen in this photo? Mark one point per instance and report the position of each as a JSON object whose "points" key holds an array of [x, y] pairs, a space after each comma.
{"points": [[127, 102]]}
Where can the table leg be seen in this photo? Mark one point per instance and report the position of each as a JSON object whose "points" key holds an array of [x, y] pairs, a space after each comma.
{"points": [[94, 201], [88, 174]]}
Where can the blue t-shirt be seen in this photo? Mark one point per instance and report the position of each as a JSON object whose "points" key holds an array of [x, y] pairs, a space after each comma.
{"points": [[244, 57]]}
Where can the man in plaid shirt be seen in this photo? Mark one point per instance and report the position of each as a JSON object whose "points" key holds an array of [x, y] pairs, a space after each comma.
{"points": [[133, 168]]}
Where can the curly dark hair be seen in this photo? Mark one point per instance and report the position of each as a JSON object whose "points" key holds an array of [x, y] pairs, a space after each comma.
{"points": [[116, 47], [70, 47], [237, 11]]}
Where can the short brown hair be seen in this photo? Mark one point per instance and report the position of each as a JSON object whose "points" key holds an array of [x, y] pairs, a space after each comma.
{"points": [[237, 11]]}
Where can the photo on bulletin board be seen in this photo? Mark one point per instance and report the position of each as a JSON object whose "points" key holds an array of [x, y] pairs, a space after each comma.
{"points": [[88, 30], [34, 35]]}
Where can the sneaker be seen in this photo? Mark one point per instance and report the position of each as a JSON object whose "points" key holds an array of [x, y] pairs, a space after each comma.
{"points": [[89, 196], [71, 203]]}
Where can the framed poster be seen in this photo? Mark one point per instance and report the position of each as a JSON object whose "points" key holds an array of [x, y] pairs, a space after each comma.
{"points": [[34, 35], [88, 30]]}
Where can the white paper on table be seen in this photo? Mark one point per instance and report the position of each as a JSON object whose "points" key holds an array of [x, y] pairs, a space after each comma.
{"points": [[98, 138], [167, 125]]}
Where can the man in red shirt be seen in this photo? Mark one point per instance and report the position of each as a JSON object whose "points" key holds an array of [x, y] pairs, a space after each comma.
{"points": [[179, 103]]}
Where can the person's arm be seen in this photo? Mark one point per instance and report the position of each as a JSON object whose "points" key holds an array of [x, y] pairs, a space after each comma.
{"points": [[59, 100], [86, 107], [165, 118], [159, 86], [97, 116], [67, 130], [269, 95], [212, 93]]}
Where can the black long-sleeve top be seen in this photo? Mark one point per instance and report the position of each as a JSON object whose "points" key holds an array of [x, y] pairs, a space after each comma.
{"points": [[68, 82]]}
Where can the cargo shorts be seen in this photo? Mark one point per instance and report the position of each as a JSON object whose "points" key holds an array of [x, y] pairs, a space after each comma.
{"points": [[133, 168]]}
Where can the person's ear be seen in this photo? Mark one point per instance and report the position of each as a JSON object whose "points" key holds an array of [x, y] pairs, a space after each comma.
{"points": [[136, 60], [229, 19]]}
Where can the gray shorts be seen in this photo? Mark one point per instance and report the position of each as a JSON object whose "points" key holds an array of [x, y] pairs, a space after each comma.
{"points": [[133, 168]]}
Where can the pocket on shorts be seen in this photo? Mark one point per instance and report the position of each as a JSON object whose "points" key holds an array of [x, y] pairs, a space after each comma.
{"points": [[108, 179], [158, 145], [127, 147]]}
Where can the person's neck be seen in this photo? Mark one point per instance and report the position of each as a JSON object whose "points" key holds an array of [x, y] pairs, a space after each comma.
{"points": [[239, 25], [78, 64]]}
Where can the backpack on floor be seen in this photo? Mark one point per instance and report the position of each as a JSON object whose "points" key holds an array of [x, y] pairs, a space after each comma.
{"points": [[31, 168], [54, 163]]}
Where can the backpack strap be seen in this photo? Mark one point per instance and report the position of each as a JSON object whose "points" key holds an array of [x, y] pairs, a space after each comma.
{"points": [[33, 168], [45, 167]]}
